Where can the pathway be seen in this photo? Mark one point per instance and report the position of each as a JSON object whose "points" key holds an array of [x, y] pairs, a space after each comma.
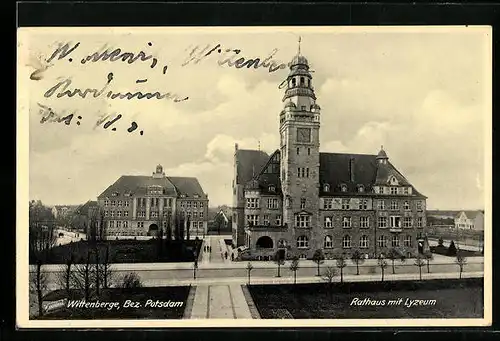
{"points": [[220, 301]]}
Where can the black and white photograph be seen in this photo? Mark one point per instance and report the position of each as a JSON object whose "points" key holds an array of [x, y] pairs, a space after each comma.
{"points": [[254, 176]]}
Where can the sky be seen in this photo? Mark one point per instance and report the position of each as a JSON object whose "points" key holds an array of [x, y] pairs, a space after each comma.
{"points": [[424, 94]]}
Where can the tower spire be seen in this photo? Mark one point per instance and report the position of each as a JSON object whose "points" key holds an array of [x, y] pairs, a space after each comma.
{"points": [[300, 38]]}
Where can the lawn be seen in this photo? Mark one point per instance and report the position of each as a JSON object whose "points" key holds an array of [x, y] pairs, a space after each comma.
{"points": [[127, 251], [138, 295], [453, 299], [443, 250]]}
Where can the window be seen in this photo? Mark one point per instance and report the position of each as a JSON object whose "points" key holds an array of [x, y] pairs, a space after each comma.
{"points": [[394, 205], [141, 214], [140, 224], [407, 241], [328, 204], [302, 220], [394, 190], [119, 213], [266, 219], [126, 203], [381, 190], [278, 220], [361, 188], [272, 203], [326, 188], [363, 242], [106, 202], [364, 222], [252, 219], [111, 223], [406, 205], [303, 172], [272, 188], [125, 224], [302, 80], [419, 206], [112, 213], [395, 222], [195, 215], [382, 241], [200, 214], [188, 204], [282, 243], [346, 222], [345, 204], [395, 241], [125, 213], [307, 172], [328, 243], [381, 205], [363, 204], [328, 222], [298, 150], [420, 222], [308, 151], [405, 190], [113, 203], [303, 107], [346, 242], [120, 203], [343, 188], [382, 222], [302, 203], [119, 224], [154, 214], [302, 242], [407, 222], [183, 204], [106, 213], [252, 203], [294, 83]]}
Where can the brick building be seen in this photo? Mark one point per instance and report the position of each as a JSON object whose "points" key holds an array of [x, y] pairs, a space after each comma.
{"points": [[141, 205], [298, 199]]}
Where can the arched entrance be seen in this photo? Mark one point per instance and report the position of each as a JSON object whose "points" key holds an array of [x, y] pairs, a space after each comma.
{"points": [[264, 242], [153, 230]]}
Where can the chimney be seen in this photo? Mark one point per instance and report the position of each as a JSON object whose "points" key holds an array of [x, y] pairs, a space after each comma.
{"points": [[235, 146], [351, 169]]}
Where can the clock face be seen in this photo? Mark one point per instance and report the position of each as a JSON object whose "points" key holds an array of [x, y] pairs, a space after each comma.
{"points": [[303, 135]]}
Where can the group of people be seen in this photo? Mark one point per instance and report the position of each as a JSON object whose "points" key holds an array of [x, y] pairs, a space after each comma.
{"points": [[207, 248]]}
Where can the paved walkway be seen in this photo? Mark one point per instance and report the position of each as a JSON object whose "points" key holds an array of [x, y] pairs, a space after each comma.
{"points": [[220, 301]]}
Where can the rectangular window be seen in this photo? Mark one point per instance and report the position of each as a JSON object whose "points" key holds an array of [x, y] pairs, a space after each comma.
{"points": [[252, 219], [195, 215], [381, 205], [407, 205], [302, 203], [328, 222], [381, 190], [346, 222], [382, 222], [328, 204], [307, 172], [119, 213], [405, 190], [395, 241], [394, 190], [364, 222], [272, 203], [112, 213], [395, 222], [278, 220], [407, 241], [125, 213], [407, 222], [118, 223], [420, 222], [345, 204], [106, 202], [266, 219], [106, 213], [302, 220], [419, 206], [113, 203], [140, 224], [111, 223], [394, 205], [125, 224], [363, 204], [141, 214], [183, 204], [154, 214], [126, 203], [188, 204], [252, 203], [120, 203], [200, 214]]}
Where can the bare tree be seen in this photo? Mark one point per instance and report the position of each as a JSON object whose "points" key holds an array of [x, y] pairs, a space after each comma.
{"points": [[329, 274], [393, 254], [39, 284], [357, 258], [382, 263], [64, 276], [428, 258], [461, 261], [279, 261], [341, 264], [318, 258], [249, 269], [420, 263], [294, 266]]}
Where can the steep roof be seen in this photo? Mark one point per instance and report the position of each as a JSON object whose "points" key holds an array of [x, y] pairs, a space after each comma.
{"points": [[470, 214], [188, 186], [138, 184], [84, 209], [249, 163]]}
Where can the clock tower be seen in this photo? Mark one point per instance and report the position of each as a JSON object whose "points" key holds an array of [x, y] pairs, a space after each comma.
{"points": [[299, 146]]}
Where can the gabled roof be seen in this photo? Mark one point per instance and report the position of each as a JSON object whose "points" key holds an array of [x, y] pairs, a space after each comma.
{"points": [[188, 186], [249, 163], [385, 171], [138, 184], [470, 214], [84, 209]]}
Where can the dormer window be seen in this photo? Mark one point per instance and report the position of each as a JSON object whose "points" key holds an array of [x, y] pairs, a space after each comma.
{"points": [[115, 194], [393, 180], [272, 188], [326, 188], [361, 188], [343, 188], [196, 196]]}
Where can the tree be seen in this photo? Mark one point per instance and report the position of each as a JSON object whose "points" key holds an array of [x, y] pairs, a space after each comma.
{"points": [[169, 226], [440, 241], [428, 257], [341, 264], [294, 266], [318, 258], [195, 266], [249, 269], [39, 283], [107, 272], [188, 228], [64, 276], [461, 261], [393, 254], [279, 261], [357, 258], [329, 274], [382, 263], [131, 280], [452, 250], [419, 261]]}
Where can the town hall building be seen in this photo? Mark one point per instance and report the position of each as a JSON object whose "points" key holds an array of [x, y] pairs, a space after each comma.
{"points": [[298, 200]]}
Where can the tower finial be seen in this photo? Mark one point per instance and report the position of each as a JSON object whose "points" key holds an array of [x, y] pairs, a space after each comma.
{"points": [[381, 147], [253, 171], [258, 145], [300, 38]]}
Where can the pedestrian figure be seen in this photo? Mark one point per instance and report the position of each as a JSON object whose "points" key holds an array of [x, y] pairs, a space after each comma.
{"points": [[225, 254], [232, 257]]}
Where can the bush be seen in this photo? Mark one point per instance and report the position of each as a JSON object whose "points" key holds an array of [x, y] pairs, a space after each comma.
{"points": [[452, 250], [132, 280], [440, 241]]}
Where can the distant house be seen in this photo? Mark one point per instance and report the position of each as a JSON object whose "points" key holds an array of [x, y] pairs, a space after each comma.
{"points": [[220, 219], [63, 210], [441, 217], [470, 220]]}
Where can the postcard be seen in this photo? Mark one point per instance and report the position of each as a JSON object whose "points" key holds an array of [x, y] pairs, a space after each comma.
{"points": [[254, 176]]}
